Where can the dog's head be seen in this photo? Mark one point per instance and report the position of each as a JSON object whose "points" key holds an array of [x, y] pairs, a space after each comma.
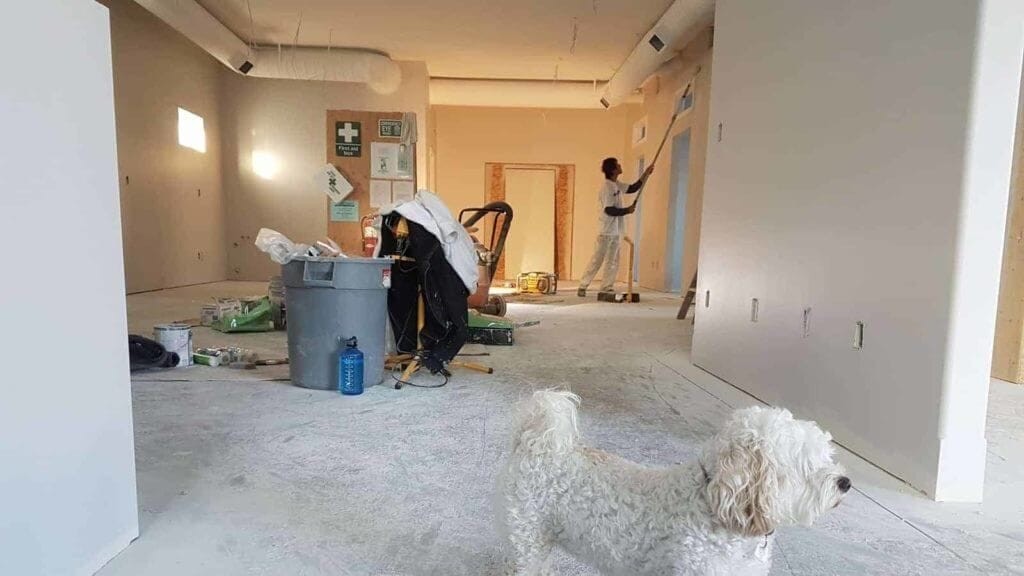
{"points": [[765, 469]]}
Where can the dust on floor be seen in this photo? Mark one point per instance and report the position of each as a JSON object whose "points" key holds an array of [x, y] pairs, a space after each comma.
{"points": [[241, 473]]}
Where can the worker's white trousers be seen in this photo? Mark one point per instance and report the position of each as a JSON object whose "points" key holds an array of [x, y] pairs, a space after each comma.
{"points": [[606, 250]]}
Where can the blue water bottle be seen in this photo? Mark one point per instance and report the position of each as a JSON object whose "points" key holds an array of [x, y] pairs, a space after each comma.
{"points": [[350, 369]]}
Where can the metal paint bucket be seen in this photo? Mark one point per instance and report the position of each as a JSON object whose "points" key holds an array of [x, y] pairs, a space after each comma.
{"points": [[176, 338]]}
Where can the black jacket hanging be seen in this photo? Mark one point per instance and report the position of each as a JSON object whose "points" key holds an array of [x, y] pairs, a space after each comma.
{"points": [[421, 267]]}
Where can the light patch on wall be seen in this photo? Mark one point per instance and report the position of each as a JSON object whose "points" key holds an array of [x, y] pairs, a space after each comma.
{"points": [[264, 164], [640, 131], [191, 131]]}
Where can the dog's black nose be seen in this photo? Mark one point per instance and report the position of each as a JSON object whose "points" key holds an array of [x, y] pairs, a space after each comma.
{"points": [[844, 484]]}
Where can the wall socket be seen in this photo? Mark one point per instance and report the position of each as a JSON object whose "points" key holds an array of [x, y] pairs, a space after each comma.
{"points": [[858, 335], [807, 323], [753, 309]]}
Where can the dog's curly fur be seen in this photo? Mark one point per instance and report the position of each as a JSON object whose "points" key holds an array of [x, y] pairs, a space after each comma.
{"points": [[713, 517]]}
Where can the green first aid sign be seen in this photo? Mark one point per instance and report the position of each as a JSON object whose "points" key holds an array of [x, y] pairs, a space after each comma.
{"points": [[348, 139], [389, 128]]}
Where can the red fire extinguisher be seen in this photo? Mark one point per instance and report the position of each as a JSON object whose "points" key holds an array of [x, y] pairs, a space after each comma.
{"points": [[371, 235]]}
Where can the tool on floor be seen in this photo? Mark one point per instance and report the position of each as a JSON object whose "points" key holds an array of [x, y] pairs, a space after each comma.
{"points": [[490, 330], [688, 299], [629, 296], [488, 255], [537, 283]]}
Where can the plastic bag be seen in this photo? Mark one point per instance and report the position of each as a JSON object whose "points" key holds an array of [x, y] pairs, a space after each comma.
{"points": [[258, 318], [329, 248], [278, 246]]}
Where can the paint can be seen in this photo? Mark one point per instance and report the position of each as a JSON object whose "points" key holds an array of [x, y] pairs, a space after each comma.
{"points": [[208, 314], [176, 338]]}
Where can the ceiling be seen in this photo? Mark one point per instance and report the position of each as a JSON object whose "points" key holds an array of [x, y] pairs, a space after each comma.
{"points": [[510, 39]]}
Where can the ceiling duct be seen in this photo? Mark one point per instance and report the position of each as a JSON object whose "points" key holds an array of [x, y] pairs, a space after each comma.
{"points": [[515, 93], [683, 20], [376, 70], [379, 72]]}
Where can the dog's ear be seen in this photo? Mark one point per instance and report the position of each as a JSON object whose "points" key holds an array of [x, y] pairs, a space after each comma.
{"points": [[742, 487]]}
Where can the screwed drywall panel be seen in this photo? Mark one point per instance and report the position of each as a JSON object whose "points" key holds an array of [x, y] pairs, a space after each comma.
{"points": [[856, 175], [67, 463]]}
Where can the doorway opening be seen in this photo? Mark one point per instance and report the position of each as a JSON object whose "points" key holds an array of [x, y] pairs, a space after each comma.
{"points": [[541, 233], [531, 241]]}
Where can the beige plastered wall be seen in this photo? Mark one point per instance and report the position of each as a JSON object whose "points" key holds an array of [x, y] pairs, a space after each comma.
{"points": [[172, 199], [463, 139], [285, 119], [660, 95]]}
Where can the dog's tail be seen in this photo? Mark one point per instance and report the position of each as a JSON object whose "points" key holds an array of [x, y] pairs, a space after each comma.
{"points": [[546, 422]]}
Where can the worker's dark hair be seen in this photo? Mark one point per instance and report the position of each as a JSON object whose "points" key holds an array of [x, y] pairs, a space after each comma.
{"points": [[608, 167]]}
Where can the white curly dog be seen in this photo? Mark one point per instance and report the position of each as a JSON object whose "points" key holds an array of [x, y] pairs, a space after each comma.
{"points": [[712, 517]]}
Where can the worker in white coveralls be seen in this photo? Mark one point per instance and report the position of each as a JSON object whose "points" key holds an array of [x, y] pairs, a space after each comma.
{"points": [[611, 226]]}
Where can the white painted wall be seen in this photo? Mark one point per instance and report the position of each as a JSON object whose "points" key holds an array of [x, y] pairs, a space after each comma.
{"points": [[863, 172], [67, 468]]}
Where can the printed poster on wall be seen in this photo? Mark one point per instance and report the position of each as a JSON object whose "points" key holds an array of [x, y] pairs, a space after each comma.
{"points": [[348, 139], [345, 211], [402, 191], [383, 160], [380, 193], [405, 162]]}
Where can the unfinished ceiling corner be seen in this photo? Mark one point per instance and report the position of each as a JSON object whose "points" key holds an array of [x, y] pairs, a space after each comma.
{"points": [[378, 71]]}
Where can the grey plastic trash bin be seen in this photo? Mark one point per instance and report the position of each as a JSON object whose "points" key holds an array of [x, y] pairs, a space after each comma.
{"points": [[329, 300]]}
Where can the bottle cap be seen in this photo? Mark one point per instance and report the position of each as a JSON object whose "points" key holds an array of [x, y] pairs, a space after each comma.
{"points": [[352, 342]]}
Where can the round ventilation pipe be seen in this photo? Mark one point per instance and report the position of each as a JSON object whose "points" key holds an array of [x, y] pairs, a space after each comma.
{"points": [[379, 72], [683, 20]]}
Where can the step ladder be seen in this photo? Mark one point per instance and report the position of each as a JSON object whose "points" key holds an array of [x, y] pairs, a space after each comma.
{"points": [[688, 299]]}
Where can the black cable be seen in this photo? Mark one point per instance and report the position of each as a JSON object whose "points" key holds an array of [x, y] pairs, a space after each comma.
{"points": [[444, 373]]}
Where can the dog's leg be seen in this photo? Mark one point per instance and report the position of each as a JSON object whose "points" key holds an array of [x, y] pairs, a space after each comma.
{"points": [[532, 550]]}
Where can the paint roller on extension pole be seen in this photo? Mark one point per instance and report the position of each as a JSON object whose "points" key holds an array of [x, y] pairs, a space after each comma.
{"points": [[668, 130], [630, 296]]}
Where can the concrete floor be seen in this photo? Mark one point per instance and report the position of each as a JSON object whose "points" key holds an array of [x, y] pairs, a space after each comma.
{"points": [[242, 473]]}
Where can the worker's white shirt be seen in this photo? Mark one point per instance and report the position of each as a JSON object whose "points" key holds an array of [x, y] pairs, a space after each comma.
{"points": [[611, 196]]}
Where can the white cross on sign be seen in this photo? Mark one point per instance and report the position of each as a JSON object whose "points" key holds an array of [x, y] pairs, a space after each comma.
{"points": [[348, 132]]}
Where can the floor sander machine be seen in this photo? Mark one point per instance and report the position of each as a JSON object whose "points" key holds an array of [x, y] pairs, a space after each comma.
{"points": [[487, 324]]}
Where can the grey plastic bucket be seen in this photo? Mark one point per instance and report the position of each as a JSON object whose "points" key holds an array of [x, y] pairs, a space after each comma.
{"points": [[329, 300]]}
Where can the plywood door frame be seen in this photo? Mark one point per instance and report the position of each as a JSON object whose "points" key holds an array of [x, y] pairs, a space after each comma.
{"points": [[1008, 345], [565, 185]]}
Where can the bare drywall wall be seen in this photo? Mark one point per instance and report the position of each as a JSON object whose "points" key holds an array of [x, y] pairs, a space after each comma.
{"points": [[661, 96], [171, 196], [465, 138], [885, 208], [67, 464], [284, 121]]}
